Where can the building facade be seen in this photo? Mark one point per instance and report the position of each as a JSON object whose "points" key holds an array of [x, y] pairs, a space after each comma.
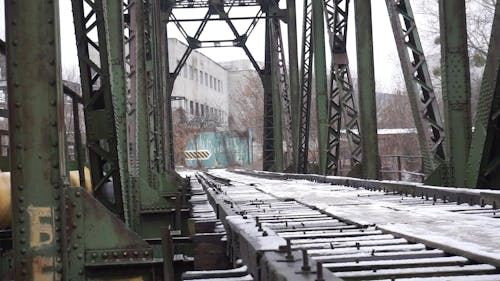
{"points": [[201, 89]]}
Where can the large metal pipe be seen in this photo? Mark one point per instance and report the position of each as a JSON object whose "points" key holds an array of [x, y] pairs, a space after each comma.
{"points": [[5, 204], [5, 197]]}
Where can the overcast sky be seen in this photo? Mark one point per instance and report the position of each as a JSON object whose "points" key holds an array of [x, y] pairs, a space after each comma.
{"points": [[387, 69]]}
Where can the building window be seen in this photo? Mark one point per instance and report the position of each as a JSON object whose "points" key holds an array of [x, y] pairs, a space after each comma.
{"points": [[201, 77], [196, 74], [191, 72], [197, 109], [206, 79], [219, 85], [191, 109], [184, 71], [202, 110]]}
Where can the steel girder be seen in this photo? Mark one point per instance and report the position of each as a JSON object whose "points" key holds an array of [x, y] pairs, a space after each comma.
{"points": [[284, 89], [366, 82], [306, 75], [293, 63], [483, 165], [272, 143], [36, 138], [320, 79], [456, 88], [342, 107], [424, 105], [103, 95]]}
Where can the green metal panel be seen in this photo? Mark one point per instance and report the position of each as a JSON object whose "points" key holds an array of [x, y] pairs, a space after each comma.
{"points": [[483, 165], [36, 137], [366, 82], [456, 88], [318, 31]]}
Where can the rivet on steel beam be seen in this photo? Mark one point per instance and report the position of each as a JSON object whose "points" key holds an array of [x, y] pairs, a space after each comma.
{"points": [[146, 253], [104, 255], [21, 199], [319, 272], [19, 166], [78, 194], [22, 230], [75, 246], [305, 261], [23, 250], [80, 256], [17, 104], [22, 241]]}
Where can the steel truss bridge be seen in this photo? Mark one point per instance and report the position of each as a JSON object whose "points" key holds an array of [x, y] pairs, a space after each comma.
{"points": [[138, 219]]}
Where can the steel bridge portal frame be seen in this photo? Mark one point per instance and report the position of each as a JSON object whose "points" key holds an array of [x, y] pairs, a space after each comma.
{"points": [[278, 95]]}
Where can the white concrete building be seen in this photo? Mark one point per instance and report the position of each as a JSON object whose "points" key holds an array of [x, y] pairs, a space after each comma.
{"points": [[202, 82]]}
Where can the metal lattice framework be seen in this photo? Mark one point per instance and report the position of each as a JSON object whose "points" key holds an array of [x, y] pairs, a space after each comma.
{"points": [[305, 86], [423, 101], [106, 155], [273, 75], [342, 108], [284, 87]]}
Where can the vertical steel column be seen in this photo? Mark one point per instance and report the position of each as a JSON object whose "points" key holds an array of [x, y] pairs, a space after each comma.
{"points": [[306, 75], [37, 145], [294, 90], [169, 87], [320, 83], [366, 82], [423, 101], [113, 16], [456, 88], [100, 125], [158, 28], [142, 125], [284, 90], [342, 108], [483, 169], [273, 145]]}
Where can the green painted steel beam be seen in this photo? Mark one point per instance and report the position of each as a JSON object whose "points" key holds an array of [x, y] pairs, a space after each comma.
{"points": [[35, 95], [318, 31], [143, 164], [456, 88], [423, 101], [95, 76], [366, 85], [113, 14], [483, 170], [294, 91]]}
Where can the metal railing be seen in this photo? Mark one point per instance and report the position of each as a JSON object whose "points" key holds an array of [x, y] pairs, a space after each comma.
{"points": [[393, 167]]}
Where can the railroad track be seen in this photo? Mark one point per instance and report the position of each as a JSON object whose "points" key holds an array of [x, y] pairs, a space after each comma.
{"points": [[316, 245]]}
